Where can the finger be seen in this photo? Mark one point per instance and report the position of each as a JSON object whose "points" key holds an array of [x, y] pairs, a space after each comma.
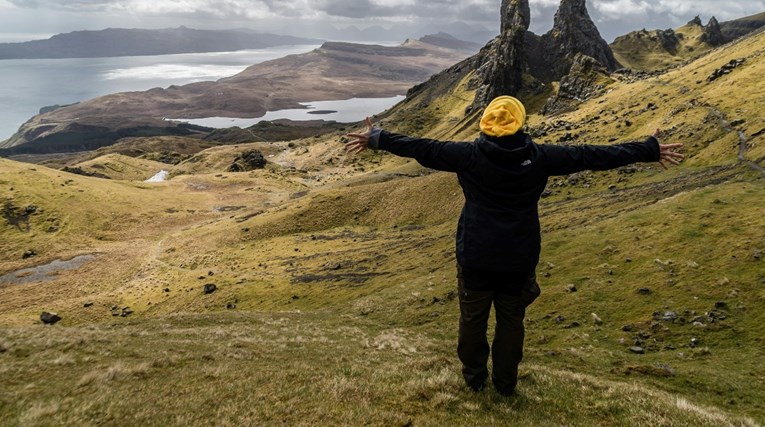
{"points": [[657, 133], [676, 155], [661, 162], [671, 146], [368, 121], [357, 135], [359, 149], [673, 161]]}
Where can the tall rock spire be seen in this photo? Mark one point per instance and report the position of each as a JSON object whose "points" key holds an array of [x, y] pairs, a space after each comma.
{"points": [[505, 57], [515, 14], [574, 32], [712, 33]]}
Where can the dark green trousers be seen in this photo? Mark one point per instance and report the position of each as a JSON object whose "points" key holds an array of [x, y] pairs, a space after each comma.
{"points": [[510, 293]]}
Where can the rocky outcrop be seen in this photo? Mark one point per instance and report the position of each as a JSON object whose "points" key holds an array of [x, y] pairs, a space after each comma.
{"points": [[712, 33], [248, 161], [695, 21], [504, 59], [573, 32], [586, 79], [668, 40]]}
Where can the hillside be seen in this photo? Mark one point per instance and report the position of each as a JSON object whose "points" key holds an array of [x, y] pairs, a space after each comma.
{"points": [[334, 299], [134, 42], [660, 49]]}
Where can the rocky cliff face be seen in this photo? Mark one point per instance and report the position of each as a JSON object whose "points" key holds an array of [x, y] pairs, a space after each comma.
{"points": [[573, 32], [504, 59], [587, 78]]}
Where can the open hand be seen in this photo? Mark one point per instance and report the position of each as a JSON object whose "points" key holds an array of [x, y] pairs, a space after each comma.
{"points": [[667, 152], [361, 141]]}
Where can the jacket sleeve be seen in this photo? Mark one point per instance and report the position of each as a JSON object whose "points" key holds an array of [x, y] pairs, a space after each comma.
{"points": [[444, 156], [564, 160]]}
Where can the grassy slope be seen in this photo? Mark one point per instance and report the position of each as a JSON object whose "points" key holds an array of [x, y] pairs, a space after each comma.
{"points": [[341, 270], [641, 50]]}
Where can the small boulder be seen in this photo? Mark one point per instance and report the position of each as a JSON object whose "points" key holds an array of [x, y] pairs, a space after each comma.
{"points": [[643, 291], [570, 288], [28, 254], [596, 319], [88, 305], [49, 318], [209, 288], [637, 350]]}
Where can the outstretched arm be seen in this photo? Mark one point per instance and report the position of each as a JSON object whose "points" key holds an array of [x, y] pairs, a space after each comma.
{"points": [[445, 156], [563, 160]]}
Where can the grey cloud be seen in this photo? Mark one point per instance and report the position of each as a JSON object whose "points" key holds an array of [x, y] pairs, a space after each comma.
{"points": [[613, 17]]}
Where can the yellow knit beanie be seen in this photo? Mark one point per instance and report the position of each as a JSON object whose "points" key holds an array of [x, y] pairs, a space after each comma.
{"points": [[504, 116]]}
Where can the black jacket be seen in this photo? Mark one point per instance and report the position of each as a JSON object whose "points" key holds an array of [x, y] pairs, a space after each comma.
{"points": [[503, 179]]}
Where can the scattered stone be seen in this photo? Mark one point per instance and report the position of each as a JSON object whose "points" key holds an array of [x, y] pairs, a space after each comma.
{"points": [[49, 318], [725, 69], [88, 305], [560, 319], [230, 306], [28, 254], [757, 254], [737, 122], [209, 288], [724, 281], [126, 312], [295, 297], [210, 273], [571, 288], [572, 325], [166, 290], [628, 260], [643, 291], [628, 327], [596, 319], [637, 350], [694, 342], [721, 304], [333, 266]]}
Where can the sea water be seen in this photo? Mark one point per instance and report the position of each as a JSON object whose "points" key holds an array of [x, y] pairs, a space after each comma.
{"points": [[26, 85], [346, 111]]}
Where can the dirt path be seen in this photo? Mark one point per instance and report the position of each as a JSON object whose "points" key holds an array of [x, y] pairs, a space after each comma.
{"points": [[743, 141]]}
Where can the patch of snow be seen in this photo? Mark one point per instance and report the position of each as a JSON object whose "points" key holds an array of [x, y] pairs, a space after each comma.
{"points": [[161, 176]]}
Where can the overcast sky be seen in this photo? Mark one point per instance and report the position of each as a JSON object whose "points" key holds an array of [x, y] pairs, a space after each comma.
{"points": [[308, 17]]}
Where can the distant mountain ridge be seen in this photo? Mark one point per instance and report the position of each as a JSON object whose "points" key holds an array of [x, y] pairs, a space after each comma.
{"points": [[136, 42], [336, 70]]}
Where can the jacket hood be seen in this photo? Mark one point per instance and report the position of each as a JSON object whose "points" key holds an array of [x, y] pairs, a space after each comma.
{"points": [[512, 153]]}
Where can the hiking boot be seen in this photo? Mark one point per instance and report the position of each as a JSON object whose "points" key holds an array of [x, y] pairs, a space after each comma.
{"points": [[476, 387]]}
